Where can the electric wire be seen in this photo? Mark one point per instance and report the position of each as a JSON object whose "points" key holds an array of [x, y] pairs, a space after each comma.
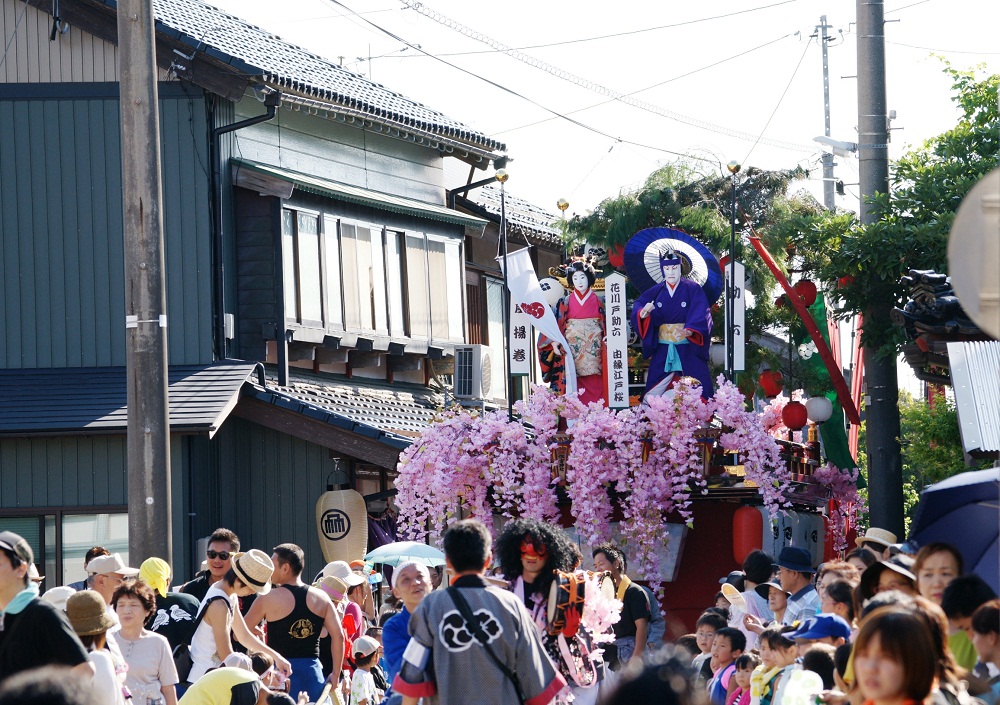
{"points": [[617, 34], [596, 87], [521, 96], [944, 51], [782, 98], [648, 88]]}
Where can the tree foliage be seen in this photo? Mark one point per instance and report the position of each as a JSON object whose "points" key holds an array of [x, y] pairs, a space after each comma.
{"points": [[864, 264]]}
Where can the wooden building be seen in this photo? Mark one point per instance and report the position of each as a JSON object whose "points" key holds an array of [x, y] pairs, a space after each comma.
{"points": [[315, 273]]}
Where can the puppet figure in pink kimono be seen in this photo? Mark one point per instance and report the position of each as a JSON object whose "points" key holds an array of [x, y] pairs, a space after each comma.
{"points": [[581, 319]]}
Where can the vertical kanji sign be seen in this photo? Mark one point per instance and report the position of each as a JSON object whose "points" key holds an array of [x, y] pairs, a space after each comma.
{"points": [[739, 315], [616, 325], [520, 341]]}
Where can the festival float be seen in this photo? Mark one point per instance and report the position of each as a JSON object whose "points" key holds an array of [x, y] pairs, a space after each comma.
{"points": [[686, 474]]}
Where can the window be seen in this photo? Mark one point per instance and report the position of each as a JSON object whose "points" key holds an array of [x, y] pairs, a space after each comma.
{"points": [[341, 274], [301, 267], [61, 538]]}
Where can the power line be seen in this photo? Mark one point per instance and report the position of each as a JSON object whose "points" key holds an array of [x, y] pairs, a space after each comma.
{"points": [[944, 51], [655, 85], [596, 87], [783, 94], [519, 95], [417, 5]]}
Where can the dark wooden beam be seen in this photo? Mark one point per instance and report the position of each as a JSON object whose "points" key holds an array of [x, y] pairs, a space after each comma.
{"points": [[316, 431], [301, 351]]}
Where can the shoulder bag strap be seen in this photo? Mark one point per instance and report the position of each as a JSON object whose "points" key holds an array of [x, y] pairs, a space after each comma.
{"points": [[477, 630], [201, 614]]}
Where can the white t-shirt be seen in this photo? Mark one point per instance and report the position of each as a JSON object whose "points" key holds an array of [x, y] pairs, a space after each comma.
{"points": [[204, 655], [107, 687], [363, 687]]}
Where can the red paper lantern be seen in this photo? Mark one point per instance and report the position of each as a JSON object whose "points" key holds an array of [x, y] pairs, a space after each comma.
{"points": [[771, 382], [806, 289], [845, 281], [616, 256], [794, 415], [748, 532]]}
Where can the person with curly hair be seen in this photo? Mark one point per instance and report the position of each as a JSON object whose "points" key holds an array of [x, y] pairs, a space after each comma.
{"points": [[529, 552]]}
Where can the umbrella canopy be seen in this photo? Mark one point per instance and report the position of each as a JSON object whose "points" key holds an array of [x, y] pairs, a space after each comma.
{"points": [[964, 511], [642, 260], [402, 551]]}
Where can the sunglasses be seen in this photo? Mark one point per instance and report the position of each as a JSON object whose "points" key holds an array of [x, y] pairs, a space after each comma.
{"points": [[528, 548], [221, 555]]}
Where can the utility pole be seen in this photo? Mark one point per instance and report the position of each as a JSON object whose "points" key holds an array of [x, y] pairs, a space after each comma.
{"points": [[885, 465], [149, 505], [828, 185]]}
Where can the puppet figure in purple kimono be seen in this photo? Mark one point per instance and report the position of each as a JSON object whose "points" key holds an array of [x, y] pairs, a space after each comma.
{"points": [[674, 320], [581, 319]]}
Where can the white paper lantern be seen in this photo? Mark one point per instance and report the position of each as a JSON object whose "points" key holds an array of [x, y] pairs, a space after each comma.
{"points": [[819, 409]]}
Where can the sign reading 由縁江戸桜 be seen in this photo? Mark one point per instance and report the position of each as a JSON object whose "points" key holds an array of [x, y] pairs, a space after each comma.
{"points": [[616, 325], [520, 341]]}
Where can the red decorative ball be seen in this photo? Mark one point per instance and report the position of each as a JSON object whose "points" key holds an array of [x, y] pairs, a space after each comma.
{"points": [[794, 415], [771, 382], [616, 256], [807, 290]]}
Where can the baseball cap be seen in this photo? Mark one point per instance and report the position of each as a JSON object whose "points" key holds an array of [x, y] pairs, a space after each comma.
{"points": [[340, 569], [822, 626], [365, 646], [735, 578], [105, 565], [16, 545]]}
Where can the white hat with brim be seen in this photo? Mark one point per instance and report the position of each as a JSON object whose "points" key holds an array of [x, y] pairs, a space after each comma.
{"points": [[880, 536], [340, 569], [57, 596], [254, 569], [106, 565]]}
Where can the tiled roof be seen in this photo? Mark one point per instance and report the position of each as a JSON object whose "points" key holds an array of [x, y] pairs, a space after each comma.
{"points": [[56, 401], [522, 217], [390, 413], [254, 51]]}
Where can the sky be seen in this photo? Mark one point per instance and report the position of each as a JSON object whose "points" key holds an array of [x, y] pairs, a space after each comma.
{"points": [[644, 81]]}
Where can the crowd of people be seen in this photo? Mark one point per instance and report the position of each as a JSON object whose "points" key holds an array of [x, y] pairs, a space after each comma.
{"points": [[517, 620]]}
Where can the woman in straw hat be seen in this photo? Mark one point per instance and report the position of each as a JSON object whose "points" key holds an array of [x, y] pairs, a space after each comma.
{"points": [[90, 619], [249, 574]]}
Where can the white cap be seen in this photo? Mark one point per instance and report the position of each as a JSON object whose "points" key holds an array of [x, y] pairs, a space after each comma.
{"points": [[57, 596], [340, 569], [105, 565]]}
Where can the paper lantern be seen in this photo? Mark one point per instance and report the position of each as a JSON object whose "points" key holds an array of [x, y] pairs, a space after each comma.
{"points": [[748, 527], [771, 382], [819, 409], [794, 415], [616, 256], [807, 290], [342, 522], [845, 281]]}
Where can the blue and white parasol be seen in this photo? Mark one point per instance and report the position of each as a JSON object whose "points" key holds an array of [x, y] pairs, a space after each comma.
{"points": [[642, 260]]}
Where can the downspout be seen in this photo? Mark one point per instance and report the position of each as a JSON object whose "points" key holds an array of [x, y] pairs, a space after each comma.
{"points": [[272, 101]]}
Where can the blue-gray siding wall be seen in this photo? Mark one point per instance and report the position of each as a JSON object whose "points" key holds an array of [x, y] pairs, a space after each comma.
{"points": [[265, 489], [61, 245]]}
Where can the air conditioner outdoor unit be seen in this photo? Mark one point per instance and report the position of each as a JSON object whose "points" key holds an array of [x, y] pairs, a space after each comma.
{"points": [[473, 372]]}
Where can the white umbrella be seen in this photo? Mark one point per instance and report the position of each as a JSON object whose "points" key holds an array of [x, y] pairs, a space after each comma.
{"points": [[402, 551]]}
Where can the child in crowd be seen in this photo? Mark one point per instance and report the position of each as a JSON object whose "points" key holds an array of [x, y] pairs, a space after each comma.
{"points": [[740, 695], [776, 652], [708, 624], [786, 655], [727, 646], [363, 690], [986, 640], [819, 658], [687, 643]]}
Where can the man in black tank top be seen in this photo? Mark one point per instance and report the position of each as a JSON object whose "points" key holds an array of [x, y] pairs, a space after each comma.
{"points": [[296, 615]]}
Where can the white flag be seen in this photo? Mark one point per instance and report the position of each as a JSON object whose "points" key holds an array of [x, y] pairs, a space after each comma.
{"points": [[526, 293]]}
